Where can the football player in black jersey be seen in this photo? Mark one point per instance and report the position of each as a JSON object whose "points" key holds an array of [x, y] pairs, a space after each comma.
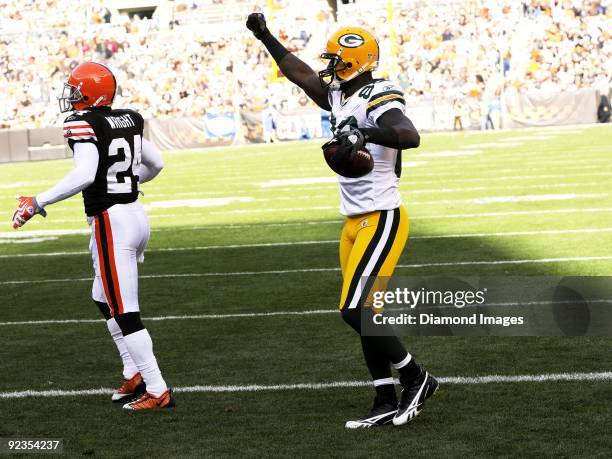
{"points": [[111, 160]]}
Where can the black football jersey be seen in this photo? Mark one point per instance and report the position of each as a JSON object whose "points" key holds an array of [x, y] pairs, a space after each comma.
{"points": [[118, 136]]}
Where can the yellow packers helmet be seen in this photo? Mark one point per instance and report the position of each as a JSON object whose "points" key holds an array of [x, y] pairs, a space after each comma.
{"points": [[350, 51]]}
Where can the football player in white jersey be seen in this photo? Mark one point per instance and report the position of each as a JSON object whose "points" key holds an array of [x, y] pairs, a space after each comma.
{"points": [[365, 111], [111, 159]]}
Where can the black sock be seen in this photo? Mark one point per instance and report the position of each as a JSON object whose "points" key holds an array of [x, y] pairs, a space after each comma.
{"points": [[409, 371], [385, 393], [377, 362], [380, 369]]}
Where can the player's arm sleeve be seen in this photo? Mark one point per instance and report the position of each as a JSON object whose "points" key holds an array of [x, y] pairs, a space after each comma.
{"points": [[151, 162], [79, 178], [390, 125]]}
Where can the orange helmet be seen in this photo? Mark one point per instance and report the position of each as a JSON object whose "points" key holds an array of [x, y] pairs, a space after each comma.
{"points": [[90, 85], [351, 51]]}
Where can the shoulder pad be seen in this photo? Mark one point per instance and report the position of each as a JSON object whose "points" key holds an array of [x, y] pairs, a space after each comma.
{"points": [[382, 87], [73, 117], [383, 93], [77, 128]]}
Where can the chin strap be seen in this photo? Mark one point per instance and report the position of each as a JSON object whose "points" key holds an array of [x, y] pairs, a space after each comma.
{"points": [[98, 101]]}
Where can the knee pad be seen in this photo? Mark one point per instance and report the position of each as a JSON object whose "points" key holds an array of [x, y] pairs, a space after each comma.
{"points": [[129, 322], [352, 317], [104, 309]]}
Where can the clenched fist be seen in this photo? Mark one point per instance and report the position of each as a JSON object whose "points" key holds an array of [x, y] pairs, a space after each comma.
{"points": [[256, 23]]}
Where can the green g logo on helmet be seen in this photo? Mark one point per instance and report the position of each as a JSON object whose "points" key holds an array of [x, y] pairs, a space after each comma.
{"points": [[351, 40]]}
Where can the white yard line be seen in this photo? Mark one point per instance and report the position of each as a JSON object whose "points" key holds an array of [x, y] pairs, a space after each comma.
{"points": [[297, 181], [477, 201], [251, 315], [407, 193], [284, 209], [517, 233], [507, 143], [183, 275], [85, 231], [513, 213], [315, 270], [447, 153], [532, 198], [455, 380], [414, 180], [527, 137], [506, 262], [77, 232], [331, 241], [235, 315]]}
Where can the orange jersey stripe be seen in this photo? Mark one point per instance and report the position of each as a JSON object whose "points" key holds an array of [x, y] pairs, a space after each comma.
{"points": [[101, 263], [111, 258], [80, 126]]}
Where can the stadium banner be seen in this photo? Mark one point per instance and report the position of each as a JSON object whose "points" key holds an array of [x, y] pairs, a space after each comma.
{"points": [[192, 132], [487, 306], [546, 109], [299, 124], [220, 126]]}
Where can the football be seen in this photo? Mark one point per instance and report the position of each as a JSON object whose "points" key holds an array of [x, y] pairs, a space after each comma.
{"points": [[462, 139], [358, 165]]}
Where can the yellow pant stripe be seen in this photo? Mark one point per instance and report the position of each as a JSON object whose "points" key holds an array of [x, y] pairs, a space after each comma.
{"points": [[370, 246]]}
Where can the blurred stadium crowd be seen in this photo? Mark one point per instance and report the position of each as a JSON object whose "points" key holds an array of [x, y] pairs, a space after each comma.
{"points": [[197, 58]]}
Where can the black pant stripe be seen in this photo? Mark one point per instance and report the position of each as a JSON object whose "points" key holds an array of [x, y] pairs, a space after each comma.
{"points": [[104, 309], [107, 268], [366, 258], [383, 256]]}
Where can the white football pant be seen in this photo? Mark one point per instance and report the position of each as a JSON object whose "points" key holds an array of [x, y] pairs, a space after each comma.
{"points": [[119, 237]]}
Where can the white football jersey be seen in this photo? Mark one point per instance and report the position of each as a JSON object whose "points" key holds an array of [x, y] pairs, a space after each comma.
{"points": [[377, 190]]}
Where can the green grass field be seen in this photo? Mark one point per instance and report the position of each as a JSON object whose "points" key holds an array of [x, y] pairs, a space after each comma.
{"points": [[254, 230]]}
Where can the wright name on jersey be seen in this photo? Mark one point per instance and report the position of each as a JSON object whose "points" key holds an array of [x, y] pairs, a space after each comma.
{"points": [[377, 190], [117, 134]]}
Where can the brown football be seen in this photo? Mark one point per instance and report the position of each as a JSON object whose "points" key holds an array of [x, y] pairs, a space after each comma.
{"points": [[360, 164]]}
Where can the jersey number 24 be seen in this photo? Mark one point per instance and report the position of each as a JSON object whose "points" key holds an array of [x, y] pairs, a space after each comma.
{"points": [[120, 177]]}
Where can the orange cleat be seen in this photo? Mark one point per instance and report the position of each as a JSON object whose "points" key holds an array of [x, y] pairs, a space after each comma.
{"points": [[131, 388], [148, 401]]}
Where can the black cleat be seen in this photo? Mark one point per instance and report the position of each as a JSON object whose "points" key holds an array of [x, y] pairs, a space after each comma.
{"points": [[381, 413], [414, 394]]}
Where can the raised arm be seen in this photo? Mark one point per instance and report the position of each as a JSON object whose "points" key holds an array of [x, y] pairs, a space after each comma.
{"points": [[296, 70]]}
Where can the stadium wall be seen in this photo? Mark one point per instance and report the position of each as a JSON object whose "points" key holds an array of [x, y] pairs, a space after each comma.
{"points": [[512, 110]]}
